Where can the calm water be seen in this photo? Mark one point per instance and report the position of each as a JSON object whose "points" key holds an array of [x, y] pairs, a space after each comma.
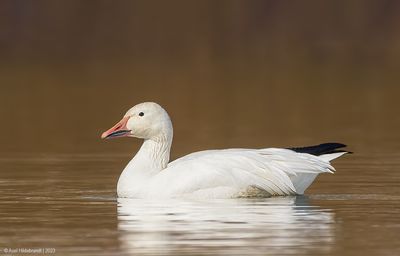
{"points": [[68, 202]]}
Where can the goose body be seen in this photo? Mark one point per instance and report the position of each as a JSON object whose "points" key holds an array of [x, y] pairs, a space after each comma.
{"points": [[227, 173]]}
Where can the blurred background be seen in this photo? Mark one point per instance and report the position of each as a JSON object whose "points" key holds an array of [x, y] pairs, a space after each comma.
{"points": [[230, 73]]}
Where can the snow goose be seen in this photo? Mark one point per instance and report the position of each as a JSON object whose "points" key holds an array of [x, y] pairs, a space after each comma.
{"points": [[227, 173]]}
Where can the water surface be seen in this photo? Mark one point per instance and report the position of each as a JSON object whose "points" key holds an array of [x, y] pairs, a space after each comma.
{"points": [[68, 202]]}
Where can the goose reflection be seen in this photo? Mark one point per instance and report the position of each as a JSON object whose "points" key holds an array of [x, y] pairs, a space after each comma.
{"points": [[270, 226]]}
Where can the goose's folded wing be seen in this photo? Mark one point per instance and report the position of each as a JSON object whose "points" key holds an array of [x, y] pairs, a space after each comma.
{"points": [[269, 169]]}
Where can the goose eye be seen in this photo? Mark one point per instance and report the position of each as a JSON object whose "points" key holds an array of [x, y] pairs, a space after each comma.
{"points": [[141, 114]]}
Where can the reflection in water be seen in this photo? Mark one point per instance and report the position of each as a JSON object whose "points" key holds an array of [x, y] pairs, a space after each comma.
{"points": [[286, 225]]}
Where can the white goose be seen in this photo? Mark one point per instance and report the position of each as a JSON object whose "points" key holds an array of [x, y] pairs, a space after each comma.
{"points": [[227, 173]]}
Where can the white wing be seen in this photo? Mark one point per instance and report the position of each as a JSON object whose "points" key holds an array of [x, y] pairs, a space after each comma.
{"points": [[276, 171]]}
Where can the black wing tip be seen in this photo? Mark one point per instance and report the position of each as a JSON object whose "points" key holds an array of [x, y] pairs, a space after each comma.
{"points": [[338, 147], [321, 149], [333, 144]]}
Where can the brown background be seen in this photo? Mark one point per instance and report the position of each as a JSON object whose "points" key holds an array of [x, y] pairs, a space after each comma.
{"points": [[230, 73]]}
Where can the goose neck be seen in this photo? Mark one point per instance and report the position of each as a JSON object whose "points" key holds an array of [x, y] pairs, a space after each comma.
{"points": [[156, 152]]}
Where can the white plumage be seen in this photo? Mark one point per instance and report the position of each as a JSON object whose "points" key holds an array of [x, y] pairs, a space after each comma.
{"points": [[225, 173]]}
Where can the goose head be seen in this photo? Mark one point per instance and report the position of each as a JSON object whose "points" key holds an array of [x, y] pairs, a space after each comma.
{"points": [[146, 120]]}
